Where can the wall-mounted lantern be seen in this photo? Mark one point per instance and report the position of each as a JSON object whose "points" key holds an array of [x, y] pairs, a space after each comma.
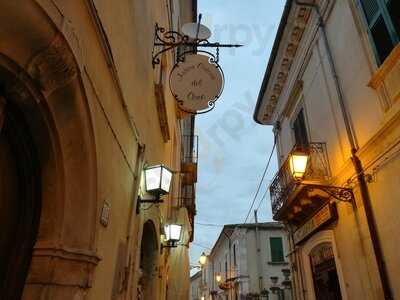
{"points": [[298, 163], [157, 182], [173, 233], [203, 259], [218, 278]]}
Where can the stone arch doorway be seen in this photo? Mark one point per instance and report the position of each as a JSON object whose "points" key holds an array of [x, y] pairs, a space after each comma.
{"points": [[149, 254], [324, 272], [40, 77], [322, 241], [20, 199]]}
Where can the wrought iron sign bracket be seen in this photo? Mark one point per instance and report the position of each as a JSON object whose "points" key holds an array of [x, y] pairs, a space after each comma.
{"points": [[339, 193], [168, 40]]}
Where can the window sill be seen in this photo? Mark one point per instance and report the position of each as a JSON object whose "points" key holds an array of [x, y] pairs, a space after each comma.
{"points": [[390, 62], [278, 263]]}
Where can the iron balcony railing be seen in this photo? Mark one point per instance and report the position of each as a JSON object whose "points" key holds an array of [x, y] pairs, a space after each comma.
{"points": [[284, 183], [188, 196], [190, 147]]}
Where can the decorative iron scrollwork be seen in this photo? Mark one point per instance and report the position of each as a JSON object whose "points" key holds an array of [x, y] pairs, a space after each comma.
{"points": [[339, 193], [168, 40]]}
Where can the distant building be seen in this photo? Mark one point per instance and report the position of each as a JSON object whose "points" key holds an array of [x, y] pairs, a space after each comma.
{"points": [[331, 91], [246, 261], [195, 286]]}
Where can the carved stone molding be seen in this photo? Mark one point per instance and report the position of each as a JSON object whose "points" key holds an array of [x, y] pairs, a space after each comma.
{"points": [[62, 266], [289, 51], [53, 67]]}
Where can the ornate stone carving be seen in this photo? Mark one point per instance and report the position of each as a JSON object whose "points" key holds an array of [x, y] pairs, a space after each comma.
{"points": [[297, 34], [54, 67], [285, 63], [291, 50]]}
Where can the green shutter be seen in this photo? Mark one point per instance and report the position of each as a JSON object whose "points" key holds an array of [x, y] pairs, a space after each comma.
{"points": [[276, 249], [381, 30]]}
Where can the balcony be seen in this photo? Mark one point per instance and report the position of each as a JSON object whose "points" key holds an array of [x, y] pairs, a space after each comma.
{"points": [[294, 199], [187, 198], [189, 154]]}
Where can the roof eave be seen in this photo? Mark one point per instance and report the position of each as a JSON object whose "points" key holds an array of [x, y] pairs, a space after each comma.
{"points": [[271, 62]]}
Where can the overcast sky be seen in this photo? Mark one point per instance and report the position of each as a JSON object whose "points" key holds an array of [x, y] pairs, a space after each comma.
{"points": [[234, 149]]}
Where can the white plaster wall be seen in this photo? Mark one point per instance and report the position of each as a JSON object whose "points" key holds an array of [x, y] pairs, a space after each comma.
{"points": [[325, 124]]}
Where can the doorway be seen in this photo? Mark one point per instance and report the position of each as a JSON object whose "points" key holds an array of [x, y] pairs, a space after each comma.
{"points": [[325, 276], [147, 285], [19, 200]]}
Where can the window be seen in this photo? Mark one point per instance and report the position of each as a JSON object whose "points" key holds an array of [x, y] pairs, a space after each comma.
{"points": [[276, 249], [383, 21], [300, 130]]}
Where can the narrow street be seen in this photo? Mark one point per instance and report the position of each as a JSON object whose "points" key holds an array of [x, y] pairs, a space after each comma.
{"points": [[199, 149]]}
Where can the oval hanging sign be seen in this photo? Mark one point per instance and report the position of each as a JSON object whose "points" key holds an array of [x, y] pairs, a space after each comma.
{"points": [[196, 82]]}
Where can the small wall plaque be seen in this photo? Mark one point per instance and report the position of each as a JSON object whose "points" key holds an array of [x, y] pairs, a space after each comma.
{"points": [[105, 214]]}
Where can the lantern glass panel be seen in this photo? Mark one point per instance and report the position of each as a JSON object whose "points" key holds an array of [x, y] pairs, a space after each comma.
{"points": [[173, 232], [153, 178], [298, 164], [166, 180]]}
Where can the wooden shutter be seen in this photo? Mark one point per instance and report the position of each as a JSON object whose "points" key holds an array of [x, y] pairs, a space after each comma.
{"points": [[276, 249], [380, 27]]}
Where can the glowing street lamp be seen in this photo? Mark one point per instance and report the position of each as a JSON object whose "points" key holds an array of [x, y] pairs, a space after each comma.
{"points": [[203, 259], [218, 278], [173, 234], [298, 163], [158, 180]]}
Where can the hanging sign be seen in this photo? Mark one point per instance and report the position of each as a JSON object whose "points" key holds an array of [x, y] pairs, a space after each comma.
{"points": [[196, 82]]}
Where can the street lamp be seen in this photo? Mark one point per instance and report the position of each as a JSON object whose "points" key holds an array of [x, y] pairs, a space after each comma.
{"points": [[157, 182], [203, 259], [298, 163], [218, 278], [173, 234]]}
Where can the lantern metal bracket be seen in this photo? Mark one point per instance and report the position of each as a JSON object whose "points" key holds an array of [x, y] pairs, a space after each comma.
{"points": [[339, 193], [139, 201], [167, 40]]}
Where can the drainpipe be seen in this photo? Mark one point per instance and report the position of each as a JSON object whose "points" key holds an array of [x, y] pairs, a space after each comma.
{"points": [[358, 168]]}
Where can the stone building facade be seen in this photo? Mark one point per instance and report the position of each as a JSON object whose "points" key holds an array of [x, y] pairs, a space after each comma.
{"points": [[332, 93], [82, 112], [249, 258]]}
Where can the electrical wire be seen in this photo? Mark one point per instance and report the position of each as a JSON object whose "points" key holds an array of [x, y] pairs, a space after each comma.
{"points": [[200, 245], [261, 181], [262, 198]]}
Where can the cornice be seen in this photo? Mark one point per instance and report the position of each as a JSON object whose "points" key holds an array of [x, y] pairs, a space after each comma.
{"points": [[288, 45]]}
